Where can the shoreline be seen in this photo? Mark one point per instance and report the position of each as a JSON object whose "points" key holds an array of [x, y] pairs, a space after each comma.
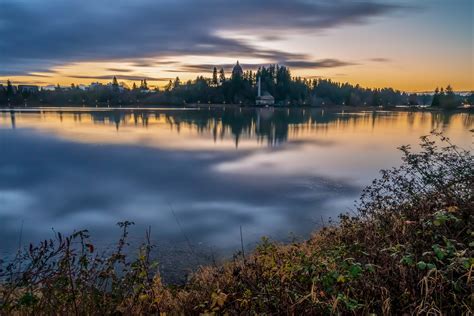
{"points": [[144, 107]]}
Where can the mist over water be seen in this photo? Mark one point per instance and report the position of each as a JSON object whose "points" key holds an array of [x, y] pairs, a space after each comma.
{"points": [[195, 176]]}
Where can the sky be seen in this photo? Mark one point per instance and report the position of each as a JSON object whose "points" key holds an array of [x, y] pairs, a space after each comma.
{"points": [[407, 45]]}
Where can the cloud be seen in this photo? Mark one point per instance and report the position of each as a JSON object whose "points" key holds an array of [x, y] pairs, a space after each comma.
{"points": [[32, 74], [324, 63], [380, 60], [153, 63], [120, 77], [314, 64], [41, 35], [66, 191], [119, 69]]}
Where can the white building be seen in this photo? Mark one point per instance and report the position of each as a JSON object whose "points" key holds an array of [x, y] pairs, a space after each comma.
{"points": [[265, 98]]}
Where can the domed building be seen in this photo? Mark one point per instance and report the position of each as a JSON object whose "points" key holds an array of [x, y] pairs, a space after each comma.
{"points": [[237, 71]]}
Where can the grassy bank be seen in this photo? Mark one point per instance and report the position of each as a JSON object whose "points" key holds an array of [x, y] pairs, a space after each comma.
{"points": [[408, 248]]}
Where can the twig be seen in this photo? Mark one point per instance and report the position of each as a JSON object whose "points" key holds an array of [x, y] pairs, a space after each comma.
{"points": [[242, 243], [182, 231]]}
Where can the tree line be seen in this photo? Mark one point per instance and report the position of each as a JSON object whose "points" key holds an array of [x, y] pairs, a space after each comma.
{"points": [[234, 89]]}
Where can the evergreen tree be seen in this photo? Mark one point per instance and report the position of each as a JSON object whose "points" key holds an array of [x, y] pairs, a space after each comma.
{"points": [[436, 96], [376, 98], [169, 86], [214, 77], [413, 99], [10, 91], [143, 85], [222, 76], [176, 83], [470, 99], [115, 84], [450, 101]]}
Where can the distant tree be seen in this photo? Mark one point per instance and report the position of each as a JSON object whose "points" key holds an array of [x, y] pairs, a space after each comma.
{"points": [[446, 99], [413, 99], [115, 84], [169, 86], [436, 97], [376, 98], [470, 98], [143, 85], [449, 100], [214, 77], [10, 90], [276, 80], [176, 83], [426, 99], [222, 76]]}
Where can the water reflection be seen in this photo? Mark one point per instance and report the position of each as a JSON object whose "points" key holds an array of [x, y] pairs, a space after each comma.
{"points": [[271, 171], [268, 126]]}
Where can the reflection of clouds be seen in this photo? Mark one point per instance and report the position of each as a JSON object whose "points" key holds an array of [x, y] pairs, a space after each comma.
{"points": [[12, 201], [74, 186], [80, 172]]}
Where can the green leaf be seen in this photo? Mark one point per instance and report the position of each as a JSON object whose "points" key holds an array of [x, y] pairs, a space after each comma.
{"points": [[438, 252], [355, 270], [28, 299], [421, 265], [407, 260], [431, 266]]}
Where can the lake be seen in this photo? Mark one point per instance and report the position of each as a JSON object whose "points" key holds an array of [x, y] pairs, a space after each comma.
{"points": [[195, 176]]}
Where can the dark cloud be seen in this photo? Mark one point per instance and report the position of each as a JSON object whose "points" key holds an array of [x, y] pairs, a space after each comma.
{"points": [[41, 34], [314, 77], [34, 82], [380, 60], [153, 63], [120, 77], [199, 68], [325, 63], [119, 69], [40, 75]]}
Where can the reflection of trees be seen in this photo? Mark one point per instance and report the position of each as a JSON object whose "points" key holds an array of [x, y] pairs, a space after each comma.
{"points": [[467, 120], [442, 120], [13, 119], [270, 125]]}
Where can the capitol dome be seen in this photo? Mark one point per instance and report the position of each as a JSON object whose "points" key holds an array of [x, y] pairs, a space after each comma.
{"points": [[237, 71]]}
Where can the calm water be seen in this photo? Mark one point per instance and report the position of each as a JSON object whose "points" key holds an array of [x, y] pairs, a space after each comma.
{"points": [[196, 174]]}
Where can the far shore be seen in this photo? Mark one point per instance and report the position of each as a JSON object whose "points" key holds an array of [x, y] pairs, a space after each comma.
{"points": [[104, 107]]}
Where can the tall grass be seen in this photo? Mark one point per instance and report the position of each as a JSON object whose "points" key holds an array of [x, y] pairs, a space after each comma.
{"points": [[409, 249]]}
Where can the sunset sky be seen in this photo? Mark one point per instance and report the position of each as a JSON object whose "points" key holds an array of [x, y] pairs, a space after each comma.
{"points": [[408, 45]]}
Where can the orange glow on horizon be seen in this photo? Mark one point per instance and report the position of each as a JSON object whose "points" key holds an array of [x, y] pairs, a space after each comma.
{"points": [[370, 75]]}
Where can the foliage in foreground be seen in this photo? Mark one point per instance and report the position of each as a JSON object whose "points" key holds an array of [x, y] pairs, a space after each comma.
{"points": [[409, 249]]}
